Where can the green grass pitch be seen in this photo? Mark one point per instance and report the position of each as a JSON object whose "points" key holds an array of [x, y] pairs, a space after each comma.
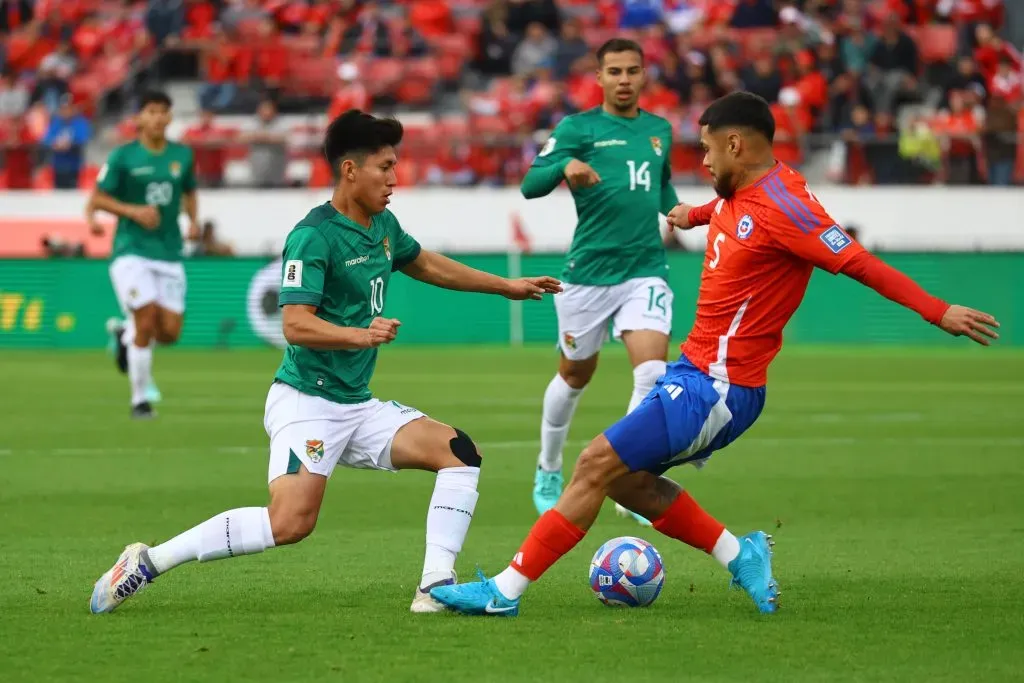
{"points": [[893, 481]]}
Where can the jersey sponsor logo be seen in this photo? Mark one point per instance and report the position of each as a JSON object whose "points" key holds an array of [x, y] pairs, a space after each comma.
{"points": [[315, 450], [570, 341], [387, 247], [656, 145], [548, 147], [835, 239], [745, 227], [292, 274], [356, 261], [175, 169], [610, 143], [142, 170]]}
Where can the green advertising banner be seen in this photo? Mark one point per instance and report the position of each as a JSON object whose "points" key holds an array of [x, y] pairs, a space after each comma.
{"points": [[233, 303]]}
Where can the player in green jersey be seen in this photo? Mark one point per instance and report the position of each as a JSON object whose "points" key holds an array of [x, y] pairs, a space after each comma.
{"points": [[146, 184], [616, 160], [337, 268]]}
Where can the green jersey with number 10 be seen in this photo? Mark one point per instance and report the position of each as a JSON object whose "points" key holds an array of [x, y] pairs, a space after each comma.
{"points": [[617, 236], [135, 175], [343, 269]]}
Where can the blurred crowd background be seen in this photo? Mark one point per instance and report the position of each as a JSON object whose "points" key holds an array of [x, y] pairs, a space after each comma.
{"points": [[864, 91]]}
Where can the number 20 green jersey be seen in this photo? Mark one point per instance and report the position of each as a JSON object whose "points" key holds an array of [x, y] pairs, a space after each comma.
{"points": [[617, 236], [135, 175]]}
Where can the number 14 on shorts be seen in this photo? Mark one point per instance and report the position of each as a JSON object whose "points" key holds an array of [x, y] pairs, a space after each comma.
{"points": [[656, 300]]}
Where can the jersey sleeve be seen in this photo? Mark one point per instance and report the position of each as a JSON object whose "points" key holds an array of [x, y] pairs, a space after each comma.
{"points": [[109, 178], [669, 198], [795, 219], [188, 179], [564, 145], [406, 248], [305, 257]]}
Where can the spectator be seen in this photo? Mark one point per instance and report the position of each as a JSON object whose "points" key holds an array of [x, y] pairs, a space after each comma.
{"points": [[351, 95], [919, 150], [270, 57], [16, 153], [268, 151], [1000, 141], [496, 42], [522, 13], [537, 49], [894, 62], [856, 48], [209, 146], [61, 61], [762, 78], [13, 97], [639, 13], [220, 64], [242, 12], [753, 14], [88, 38], [50, 89], [965, 76], [431, 18], [672, 74], [66, 138], [991, 50], [209, 245], [658, 99], [571, 48], [959, 128], [556, 108], [882, 151], [1006, 82], [165, 20]]}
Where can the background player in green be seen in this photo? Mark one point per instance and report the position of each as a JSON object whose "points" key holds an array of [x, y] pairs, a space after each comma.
{"points": [[616, 160], [337, 266], [146, 184]]}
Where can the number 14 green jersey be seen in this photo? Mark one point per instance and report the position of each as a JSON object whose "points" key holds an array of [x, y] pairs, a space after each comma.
{"points": [[617, 236]]}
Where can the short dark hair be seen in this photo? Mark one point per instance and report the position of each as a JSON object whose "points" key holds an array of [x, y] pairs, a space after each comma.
{"points": [[619, 45], [154, 97], [740, 110], [357, 134]]}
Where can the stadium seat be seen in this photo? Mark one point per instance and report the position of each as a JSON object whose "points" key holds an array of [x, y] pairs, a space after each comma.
{"points": [[936, 43], [42, 179]]}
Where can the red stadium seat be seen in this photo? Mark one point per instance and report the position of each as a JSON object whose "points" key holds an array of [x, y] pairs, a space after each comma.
{"points": [[936, 43], [43, 178]]}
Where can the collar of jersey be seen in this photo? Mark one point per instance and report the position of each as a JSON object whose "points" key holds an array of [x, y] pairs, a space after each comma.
{"points": [[344, 221], [759, 183], [622, 119]]}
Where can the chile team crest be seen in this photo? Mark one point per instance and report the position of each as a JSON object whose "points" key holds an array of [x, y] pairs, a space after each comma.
{"points": [[387, 248], [315, 450], [745, 227], [656, 145]]}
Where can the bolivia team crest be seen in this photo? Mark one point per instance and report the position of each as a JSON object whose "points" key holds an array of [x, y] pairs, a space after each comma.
{"points": [[387, 247], [656, 144], [570, 341], [175, 169], [315, 450]]}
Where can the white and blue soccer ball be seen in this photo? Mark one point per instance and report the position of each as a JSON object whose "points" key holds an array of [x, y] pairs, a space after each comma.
{"points": [[627, 572]]}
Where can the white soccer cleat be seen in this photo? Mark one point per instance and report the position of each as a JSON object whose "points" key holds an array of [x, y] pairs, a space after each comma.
{"points": [[127, 577], [623, 512], [423, 603]]}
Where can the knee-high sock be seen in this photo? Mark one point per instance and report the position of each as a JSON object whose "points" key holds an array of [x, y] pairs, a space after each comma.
{"points": [[560, 401]]}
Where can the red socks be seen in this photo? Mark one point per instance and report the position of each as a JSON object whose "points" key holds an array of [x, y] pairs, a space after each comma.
{"points": [[551, 537], [686, 521]]}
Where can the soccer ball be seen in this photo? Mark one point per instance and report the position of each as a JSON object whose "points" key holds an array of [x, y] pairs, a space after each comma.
{"points": [[627, 572]]}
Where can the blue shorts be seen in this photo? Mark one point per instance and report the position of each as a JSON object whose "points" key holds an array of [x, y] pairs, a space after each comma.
{"points": [[686, 417]]}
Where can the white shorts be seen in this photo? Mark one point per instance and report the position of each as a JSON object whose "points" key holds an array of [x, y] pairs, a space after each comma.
{"points": [[140, 281], [584, 312], [319, 433]]}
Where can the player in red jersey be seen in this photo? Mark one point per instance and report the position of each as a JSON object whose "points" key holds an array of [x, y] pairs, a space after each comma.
{"points": [[767, 233]]}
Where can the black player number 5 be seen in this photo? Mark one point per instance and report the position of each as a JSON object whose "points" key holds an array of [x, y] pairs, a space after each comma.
{"points": [[376, 295]]}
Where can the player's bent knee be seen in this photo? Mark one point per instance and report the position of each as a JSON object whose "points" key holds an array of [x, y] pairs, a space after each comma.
{"points": [[598, 465], [464, 449], [292, 526]]}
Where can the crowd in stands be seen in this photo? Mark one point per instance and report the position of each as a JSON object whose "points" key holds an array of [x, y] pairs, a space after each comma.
{"points": [[882, 91]]}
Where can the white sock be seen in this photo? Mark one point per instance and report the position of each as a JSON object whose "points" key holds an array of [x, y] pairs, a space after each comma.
{"points": [[140, 365], [645, 376], [727, 548], [243, 531], [511, 583], [448, 517], [560, 402]]}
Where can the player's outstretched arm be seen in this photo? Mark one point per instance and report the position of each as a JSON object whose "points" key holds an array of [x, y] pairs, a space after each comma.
{"points": [[302, 327], [441, 271], [875, 273]]}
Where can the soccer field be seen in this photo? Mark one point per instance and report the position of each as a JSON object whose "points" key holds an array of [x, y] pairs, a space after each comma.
{"points": [[893, 481]]}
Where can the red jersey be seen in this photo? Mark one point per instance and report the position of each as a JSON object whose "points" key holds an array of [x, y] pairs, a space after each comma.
{"points": [[763, 245]]}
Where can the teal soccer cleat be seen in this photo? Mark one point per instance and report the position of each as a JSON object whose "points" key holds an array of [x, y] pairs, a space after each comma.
{"points": [[153, 394], [625, 512], [752, 571], [547, 487], [478, 598]]}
